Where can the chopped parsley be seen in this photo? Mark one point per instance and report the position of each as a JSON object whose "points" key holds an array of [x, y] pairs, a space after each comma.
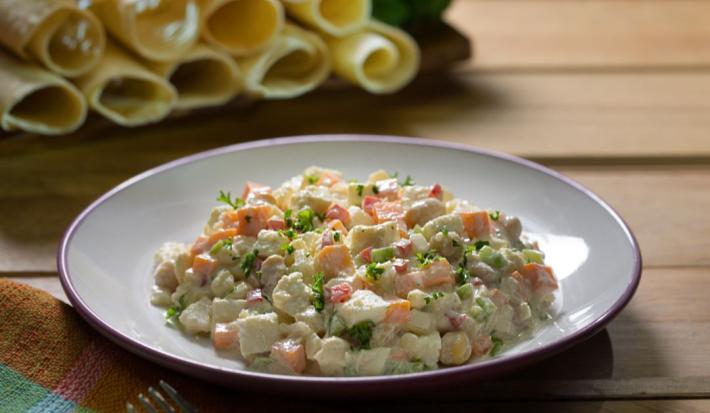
{"points": [[288, 233], [480, 244], [360, 188], [373, 272], [375, 189], [227, 199], [312, 179], [394, 175], [462, 275], [220, 245], [287, 218], [304, 220], [408, 181], [336, 236], [360, 334], [427, 258], [445, 230], [495, 215], [318, 298], [288, 248], [497, 345], [175, 310], [248, 260], [433, 297]]}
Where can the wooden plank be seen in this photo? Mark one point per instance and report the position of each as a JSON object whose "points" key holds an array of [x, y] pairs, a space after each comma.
{"points": [[656, 348], [546, 34], [43, 192]]}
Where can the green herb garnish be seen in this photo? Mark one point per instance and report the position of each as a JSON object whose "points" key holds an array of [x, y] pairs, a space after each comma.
{"points": [[408, 181], [220, 245], [497, 345], [227, 199], [248, 260], [433, 297], [360, 188], [462, 275], [373, 272], [318, 298], [495, 215], [175, 310], [480, 244], [304, 220], [427, 258], [375, 189], [360, 334], [336, 236], [288, 248], [312, 179]]}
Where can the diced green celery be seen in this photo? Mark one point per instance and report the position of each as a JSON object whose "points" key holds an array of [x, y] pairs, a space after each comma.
{"points": [[217, 247], [382, 254], [465, 291], [487, 305], [492, 257], [533, 256]]}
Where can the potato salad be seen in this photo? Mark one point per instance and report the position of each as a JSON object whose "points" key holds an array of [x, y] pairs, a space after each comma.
{"points": [[334, 277]]}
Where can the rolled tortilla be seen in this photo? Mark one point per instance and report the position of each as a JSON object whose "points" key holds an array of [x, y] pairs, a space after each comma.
{"points": [[295, 64], [125, 91], [35, 100], [380, 59], [160, 30], [241, 27], [56, 33], [203, 77], [334, 17]]}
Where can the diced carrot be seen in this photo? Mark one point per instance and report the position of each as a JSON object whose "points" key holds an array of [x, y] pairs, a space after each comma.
{"points": [[335, 211], [334, 260], [337, 225], [539, 275], [251, 187], [275, 223], [401, 265], [436, 192], [387, 211], [199, 246], [404, 247], [338, 293], [203, 264], [252, 219], [328, 179], [365, 256], [481, 345], [225, 335], [437, 273], [220, 235], [477, 224], [369, 202], [405, 283], [398, 312], [290, 354]]}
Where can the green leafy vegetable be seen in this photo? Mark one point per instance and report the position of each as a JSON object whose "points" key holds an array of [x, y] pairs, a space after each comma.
{"points": [[427, 258], [318, 298], [304, 220], [227, 199], [173, 313]]}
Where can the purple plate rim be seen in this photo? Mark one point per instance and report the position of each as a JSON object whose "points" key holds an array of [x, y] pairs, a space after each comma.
{"points": [[481, 369]]}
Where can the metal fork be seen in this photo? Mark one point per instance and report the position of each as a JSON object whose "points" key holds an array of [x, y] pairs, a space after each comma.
{"points": [[161, 402]]}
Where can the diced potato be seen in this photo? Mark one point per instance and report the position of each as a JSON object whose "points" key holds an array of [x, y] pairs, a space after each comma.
{"points": [[424, 211], [332, 356], [419, 243], [420, 323], [425, 348], [168, 258], [297, 331], [225, 310], [417, 298], [313, 318], [313, 345], [269, 242], [375, 236], [452, 223], [414, 193], [223, 283], [292, 295], [378, 176], [272, 270], [449, 246], [359, 217], [370, 362], [455, 348], [317, 198], [363, 305], [240, 291], [357, 191], [257, 333], [196, 317]]}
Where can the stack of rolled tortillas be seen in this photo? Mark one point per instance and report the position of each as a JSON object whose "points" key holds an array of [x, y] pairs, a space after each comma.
{"points": [[135, 61]]}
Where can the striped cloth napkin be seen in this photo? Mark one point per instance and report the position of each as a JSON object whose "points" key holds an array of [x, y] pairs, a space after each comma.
{"points": [[52, 361]]}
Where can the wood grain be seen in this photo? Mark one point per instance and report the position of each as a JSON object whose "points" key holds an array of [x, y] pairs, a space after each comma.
{"points": [[550, 34]]}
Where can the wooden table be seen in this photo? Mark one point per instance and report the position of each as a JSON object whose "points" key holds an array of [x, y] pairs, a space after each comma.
{"points": [[614, 93]]}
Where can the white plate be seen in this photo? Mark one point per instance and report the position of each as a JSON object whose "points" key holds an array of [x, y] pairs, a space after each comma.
{"points": [[105, 258]]}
